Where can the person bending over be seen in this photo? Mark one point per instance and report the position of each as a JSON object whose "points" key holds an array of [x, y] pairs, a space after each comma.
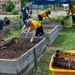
{"points": [[38, 29]]}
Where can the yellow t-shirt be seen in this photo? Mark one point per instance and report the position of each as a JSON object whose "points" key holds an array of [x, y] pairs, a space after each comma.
{"points": [[43, 14], [35, 24], [72, 9]]}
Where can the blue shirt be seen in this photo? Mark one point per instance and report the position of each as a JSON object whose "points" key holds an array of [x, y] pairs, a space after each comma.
{"points": [[1, 24], [25, 15]]}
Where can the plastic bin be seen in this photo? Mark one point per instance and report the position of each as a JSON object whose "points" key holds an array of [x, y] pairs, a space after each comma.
{"points": [[58, 71]]}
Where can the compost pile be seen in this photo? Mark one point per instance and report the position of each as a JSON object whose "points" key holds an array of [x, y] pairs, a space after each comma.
{"points": [[64, 60], [16, 48]]}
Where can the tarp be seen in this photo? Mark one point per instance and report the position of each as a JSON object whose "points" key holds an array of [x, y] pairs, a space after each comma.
{"points": [[40, 2]]}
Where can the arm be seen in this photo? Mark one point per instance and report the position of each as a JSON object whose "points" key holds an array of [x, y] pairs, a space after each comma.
{"points": [[27, 13], [28, 31], [48, 16], [20, 14], [68, 11], [31, 40]]}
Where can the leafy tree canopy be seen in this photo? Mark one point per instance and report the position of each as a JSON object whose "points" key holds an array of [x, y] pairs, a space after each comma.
{"points": [[10, 6]]}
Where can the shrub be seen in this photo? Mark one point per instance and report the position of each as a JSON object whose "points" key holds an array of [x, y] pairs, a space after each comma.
{"points": [[10, 5], [14, 12]]}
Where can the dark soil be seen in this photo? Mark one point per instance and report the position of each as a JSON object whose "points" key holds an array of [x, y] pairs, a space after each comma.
{"points": [[16, 48]]}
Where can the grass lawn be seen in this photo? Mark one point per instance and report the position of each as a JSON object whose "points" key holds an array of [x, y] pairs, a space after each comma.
{"points": [[65, 41]]}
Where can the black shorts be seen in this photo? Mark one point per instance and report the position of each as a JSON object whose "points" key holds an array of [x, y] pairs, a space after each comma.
{"points": [[40, 18], [73, 18], [39, 31]]}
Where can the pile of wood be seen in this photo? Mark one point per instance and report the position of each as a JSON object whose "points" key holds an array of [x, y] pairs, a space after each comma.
{"points": [[65, 60]]}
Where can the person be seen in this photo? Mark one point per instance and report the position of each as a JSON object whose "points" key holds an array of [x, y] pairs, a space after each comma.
{"points": [[43, 14], [38, 29], [4, 22], [72, 10], [25, 14]]}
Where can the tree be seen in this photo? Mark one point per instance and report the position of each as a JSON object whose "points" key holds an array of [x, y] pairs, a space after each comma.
{"points": [[10, 6], [73, 2], [23, 2]]}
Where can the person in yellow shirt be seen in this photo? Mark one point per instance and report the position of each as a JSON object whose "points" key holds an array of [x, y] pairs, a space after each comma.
{"points": [[38, 29], [72, 10], [43, 14]]}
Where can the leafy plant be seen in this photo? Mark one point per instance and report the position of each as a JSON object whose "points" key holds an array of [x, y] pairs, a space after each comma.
{"points": [[15, 19], [14, 12], [10, 5]]}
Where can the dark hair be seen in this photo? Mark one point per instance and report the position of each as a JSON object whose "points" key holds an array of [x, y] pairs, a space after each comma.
{"points": [[70, 5], [49, 12], [7, 22]]}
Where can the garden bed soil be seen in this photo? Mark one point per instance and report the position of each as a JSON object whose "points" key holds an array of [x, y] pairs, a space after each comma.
{"points": [[16, 48]]}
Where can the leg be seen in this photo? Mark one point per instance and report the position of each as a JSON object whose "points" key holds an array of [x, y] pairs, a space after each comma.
{"points": [[39, 31], [25, 24]]}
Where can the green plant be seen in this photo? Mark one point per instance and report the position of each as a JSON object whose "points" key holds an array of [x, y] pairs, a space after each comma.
{"points": [[10, 5], [14, 12], [12, 34], [15, 19]]}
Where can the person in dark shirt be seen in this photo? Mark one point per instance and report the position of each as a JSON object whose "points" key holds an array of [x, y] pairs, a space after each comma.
{"points": [[4, 22], [25, 14]]}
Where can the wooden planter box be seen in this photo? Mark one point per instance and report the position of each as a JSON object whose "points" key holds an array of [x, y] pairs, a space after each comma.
{"points": [[50, 36], [13, 26], [26, 61], [60, 26]]}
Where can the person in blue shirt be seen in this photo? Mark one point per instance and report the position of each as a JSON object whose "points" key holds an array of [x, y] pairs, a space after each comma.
{"points": [[25, 14], [4, 22]]}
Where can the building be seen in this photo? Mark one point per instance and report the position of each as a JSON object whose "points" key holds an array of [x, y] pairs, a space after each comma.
{"points": [[4, 2]]}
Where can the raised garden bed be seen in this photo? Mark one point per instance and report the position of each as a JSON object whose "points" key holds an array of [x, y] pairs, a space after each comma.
{"points": [[50, 34], [13, 26], [20, 55], [60, 26]]}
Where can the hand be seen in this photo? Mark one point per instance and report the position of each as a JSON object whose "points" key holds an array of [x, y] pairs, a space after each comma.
{"points": [[29, 16], [1, 45], [31, 40]]}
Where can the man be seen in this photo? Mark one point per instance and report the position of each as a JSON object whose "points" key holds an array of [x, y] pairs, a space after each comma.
{"points": [[4, 22], [25, 15], [72, 10], [38, 29]]}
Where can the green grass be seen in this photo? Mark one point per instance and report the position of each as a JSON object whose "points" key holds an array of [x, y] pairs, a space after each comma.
{"points": [[12, 34], [64, 41]]}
